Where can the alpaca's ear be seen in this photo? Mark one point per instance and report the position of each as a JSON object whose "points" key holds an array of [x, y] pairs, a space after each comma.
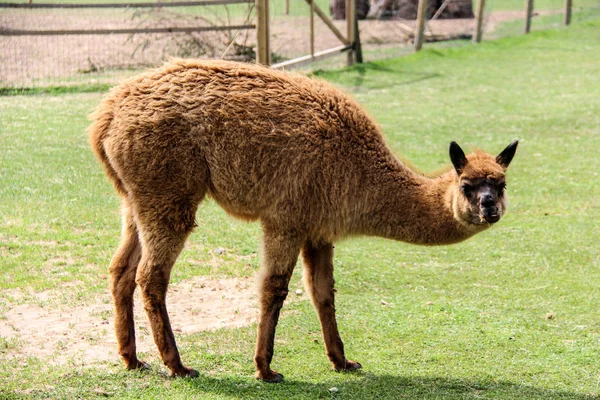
{"points": [[506, 156], [459, 160]]}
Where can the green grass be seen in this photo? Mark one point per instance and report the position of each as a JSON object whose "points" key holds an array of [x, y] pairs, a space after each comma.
{"points": [[553, 20], [469, 321], [558, 5]]}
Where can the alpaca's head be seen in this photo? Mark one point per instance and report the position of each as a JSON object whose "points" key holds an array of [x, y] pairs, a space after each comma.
{"points": [[480, 191]]}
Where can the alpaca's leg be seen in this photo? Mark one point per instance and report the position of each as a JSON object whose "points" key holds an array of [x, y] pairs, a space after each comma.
{"points": [[122, 269], [279, 258], [318, 279], [163, 231]]}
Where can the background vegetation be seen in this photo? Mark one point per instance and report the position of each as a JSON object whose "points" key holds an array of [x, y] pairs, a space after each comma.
{"points": [[510, 314]]}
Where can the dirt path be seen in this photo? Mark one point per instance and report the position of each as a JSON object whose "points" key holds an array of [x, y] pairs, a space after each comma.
{"points": [[59, 335]]}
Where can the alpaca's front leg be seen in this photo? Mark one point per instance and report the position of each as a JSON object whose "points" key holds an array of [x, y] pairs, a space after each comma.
{"points": [[318, 278], [280, 256]]}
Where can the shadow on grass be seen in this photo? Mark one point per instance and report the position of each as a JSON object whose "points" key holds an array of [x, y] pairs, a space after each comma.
{"points": [[387, 77], [369, 386]]}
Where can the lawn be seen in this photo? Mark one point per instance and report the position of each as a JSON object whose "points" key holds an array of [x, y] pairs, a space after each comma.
{"points": [[509, 314]]}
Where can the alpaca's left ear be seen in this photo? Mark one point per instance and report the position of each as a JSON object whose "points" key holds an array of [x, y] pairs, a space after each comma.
{"points": [[506, 156]]}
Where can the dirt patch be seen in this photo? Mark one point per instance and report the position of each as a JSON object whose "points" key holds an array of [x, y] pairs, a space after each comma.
{"points": [[87, 333]]}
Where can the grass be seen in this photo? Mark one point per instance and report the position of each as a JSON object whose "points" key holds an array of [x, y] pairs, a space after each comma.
{"points": [[553, 20], [509, 314], [558, 5]]}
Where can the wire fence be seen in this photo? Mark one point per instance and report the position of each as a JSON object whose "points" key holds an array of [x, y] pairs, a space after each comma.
{"points": [[100, 43], [393, 37], [290, 30], [506, 18], [145, 34]]}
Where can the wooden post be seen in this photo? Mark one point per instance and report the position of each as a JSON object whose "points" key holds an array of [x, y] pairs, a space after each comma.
{"points": [[263, 51], [328, 22], [350, 17], [357, 47], [568, 7], [479, 27], [421, 11], [528, 13], [312, 28]]}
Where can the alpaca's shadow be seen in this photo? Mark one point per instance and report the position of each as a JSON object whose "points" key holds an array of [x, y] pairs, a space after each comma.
{"points": [[369, 386]]}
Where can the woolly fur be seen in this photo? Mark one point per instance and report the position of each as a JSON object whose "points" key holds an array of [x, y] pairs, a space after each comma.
{"points": [[293, 152]]}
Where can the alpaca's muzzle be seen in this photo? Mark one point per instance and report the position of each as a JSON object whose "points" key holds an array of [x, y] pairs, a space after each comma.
{"points": [[490, 214]]}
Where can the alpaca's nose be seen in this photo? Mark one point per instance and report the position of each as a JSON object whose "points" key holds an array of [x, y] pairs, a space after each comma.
{"points": [[487, 200]]}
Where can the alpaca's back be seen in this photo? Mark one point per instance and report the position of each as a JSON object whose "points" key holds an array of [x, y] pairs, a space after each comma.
{"points": [[271, 143]]}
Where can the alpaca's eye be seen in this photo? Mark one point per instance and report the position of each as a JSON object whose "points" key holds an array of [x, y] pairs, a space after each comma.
{"points": [[466, 189], [501, 188]]}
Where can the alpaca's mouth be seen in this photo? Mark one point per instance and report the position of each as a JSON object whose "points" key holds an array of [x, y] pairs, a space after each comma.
{"points": [[491, 218], [490, 215]]}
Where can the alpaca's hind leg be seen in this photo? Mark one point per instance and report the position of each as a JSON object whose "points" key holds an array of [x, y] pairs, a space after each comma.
{"points": [[163, 231], [319, 282], [279, 258], [122, 269]]}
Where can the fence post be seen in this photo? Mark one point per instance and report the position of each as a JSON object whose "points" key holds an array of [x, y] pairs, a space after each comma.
{"points": [[350, 34], [479, 27], [421, 11], [357, 46], [263, 51], [528, 13], [568, 7], [312, 28]]}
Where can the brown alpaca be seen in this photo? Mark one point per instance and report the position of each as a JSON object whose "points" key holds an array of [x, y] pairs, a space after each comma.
{"points": [[292, 152]]}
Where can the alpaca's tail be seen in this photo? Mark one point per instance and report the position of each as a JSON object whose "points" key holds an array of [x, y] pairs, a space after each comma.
{"points": [[97, 132]]}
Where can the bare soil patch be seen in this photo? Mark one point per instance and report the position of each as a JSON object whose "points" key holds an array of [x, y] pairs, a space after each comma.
{"points": [[60, 335]]}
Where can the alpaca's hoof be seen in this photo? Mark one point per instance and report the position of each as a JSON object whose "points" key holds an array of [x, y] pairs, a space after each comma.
{"points": [[270, 376], [185, 373], [136, 364], [349, 366]]}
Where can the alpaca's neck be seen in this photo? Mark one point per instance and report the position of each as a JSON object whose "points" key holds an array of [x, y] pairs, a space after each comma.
{"points": [[408, 207]]}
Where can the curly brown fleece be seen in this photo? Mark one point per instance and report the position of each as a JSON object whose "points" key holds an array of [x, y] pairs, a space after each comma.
{"points": [[293, 152]]}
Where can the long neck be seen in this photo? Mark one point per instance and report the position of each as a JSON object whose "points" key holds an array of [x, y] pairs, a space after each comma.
{"points": [[406, 206]]}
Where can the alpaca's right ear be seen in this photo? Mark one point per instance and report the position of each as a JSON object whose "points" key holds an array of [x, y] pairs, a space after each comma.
{"points": [[459, 160]]}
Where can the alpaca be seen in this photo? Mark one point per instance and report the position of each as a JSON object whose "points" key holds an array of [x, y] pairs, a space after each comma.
{"points": [[290, 151]]}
